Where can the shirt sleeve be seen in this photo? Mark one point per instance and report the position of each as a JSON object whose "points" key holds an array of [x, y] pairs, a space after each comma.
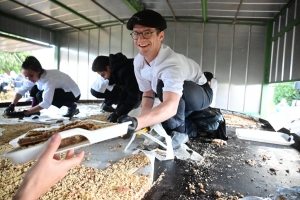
{"points": [[27, 85], [49, 88], [144, 85], [173, 82]]}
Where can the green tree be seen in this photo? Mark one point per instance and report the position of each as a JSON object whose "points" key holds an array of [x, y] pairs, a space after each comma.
{"points": [[284, 90], [12, 61]]}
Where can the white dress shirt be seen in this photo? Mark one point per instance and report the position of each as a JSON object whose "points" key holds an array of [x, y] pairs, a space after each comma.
{"points": [[100, 85], [214, 87], [49, 81], [170, 67]]}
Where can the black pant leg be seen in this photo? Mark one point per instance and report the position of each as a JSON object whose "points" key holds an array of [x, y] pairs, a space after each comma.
{"points": [[195, 97], [112, 97]]}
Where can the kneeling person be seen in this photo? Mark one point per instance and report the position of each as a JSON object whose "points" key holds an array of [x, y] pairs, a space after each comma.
{"points": [[119, 70], [47, 87]]}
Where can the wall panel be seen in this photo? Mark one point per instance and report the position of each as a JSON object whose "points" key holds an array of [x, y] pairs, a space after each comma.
{"points": [[195, 41], [224, 65], [239, 67], [255, 69], [288, 53], [181, 41], [73, 56], [210, 40], [83, 64], [285, 55], [26, 30], [104, 41], [127, 43], [115, 39], [64, 53], [296, 60], [273, 67], [93, 52]]}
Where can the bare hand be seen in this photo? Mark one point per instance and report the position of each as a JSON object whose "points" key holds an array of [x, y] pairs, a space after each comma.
{"points": [[47, 171]]}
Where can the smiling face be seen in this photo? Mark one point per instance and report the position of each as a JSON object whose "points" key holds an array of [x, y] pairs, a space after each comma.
{"points": [[31, 75], [149, 48]]}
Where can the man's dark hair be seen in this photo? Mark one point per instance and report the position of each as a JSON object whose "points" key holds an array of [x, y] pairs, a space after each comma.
{"points": [[100, 63], [208, 75], [33, 64]]}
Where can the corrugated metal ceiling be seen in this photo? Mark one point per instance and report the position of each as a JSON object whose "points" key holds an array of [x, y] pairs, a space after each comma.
{"points": [[62, 15], [11, 45], [69, 15]]}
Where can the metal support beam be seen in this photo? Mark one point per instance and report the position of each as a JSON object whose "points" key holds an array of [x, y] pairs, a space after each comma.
{"points": [[286, 29], [23, 21], [74, 12], [170, 7], [237, 12], [57, 50], [22, 39], [41, 13], [267, 63], [133, 5], [284, 9], [204, 10], [107, 11], [268, 52]]}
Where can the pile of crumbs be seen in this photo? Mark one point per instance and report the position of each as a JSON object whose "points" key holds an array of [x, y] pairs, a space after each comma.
{"points": [[97, 117], [12, 131], [82, 182], [239, 121]]}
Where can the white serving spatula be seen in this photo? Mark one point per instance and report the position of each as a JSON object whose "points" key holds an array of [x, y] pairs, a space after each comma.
{"points": [[95, 136]]}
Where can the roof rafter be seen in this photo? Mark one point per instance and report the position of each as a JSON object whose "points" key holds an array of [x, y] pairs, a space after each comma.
{"points": [[204, 10], [170, 7], [74, 12], [133, 5], [107, 11], [237, 12], [41, 13]]}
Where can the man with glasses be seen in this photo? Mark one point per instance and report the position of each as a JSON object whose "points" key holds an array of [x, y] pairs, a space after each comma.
{"points": [[177, 80]]}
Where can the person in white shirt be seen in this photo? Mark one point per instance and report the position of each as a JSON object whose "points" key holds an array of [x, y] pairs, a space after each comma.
{"points": [[177, 80], [47, 87], [213, 83], [110, 93]]}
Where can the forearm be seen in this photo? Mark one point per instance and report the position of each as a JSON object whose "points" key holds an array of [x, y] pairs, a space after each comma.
{"points": [[147, 102], [158, 114], [26, 191], [16, 98]]}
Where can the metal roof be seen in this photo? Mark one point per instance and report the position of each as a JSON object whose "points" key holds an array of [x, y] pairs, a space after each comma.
{"points": [[62, 15], [76, 15]]}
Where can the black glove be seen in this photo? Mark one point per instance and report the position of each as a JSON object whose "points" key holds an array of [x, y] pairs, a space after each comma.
{"points": [[113, 117], [9, 109], [29, 115], [16, 114], [131, 127], [107, 108]]}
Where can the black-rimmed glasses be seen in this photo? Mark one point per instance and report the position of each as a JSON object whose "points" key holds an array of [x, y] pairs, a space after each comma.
{"points": [[146, 34]]}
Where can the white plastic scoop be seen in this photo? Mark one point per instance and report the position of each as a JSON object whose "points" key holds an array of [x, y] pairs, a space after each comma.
{"points": [[95, 136]]}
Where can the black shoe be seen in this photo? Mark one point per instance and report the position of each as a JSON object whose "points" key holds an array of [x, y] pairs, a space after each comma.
{"points": [[71, 112], [107, 108]]}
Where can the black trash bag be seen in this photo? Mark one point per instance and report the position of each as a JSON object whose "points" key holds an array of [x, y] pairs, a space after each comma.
{"points": [[209, 120]]}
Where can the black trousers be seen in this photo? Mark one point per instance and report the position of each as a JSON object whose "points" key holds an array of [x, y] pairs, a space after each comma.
{"points": [[59, 99], [110, 97], [194, 98]]}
